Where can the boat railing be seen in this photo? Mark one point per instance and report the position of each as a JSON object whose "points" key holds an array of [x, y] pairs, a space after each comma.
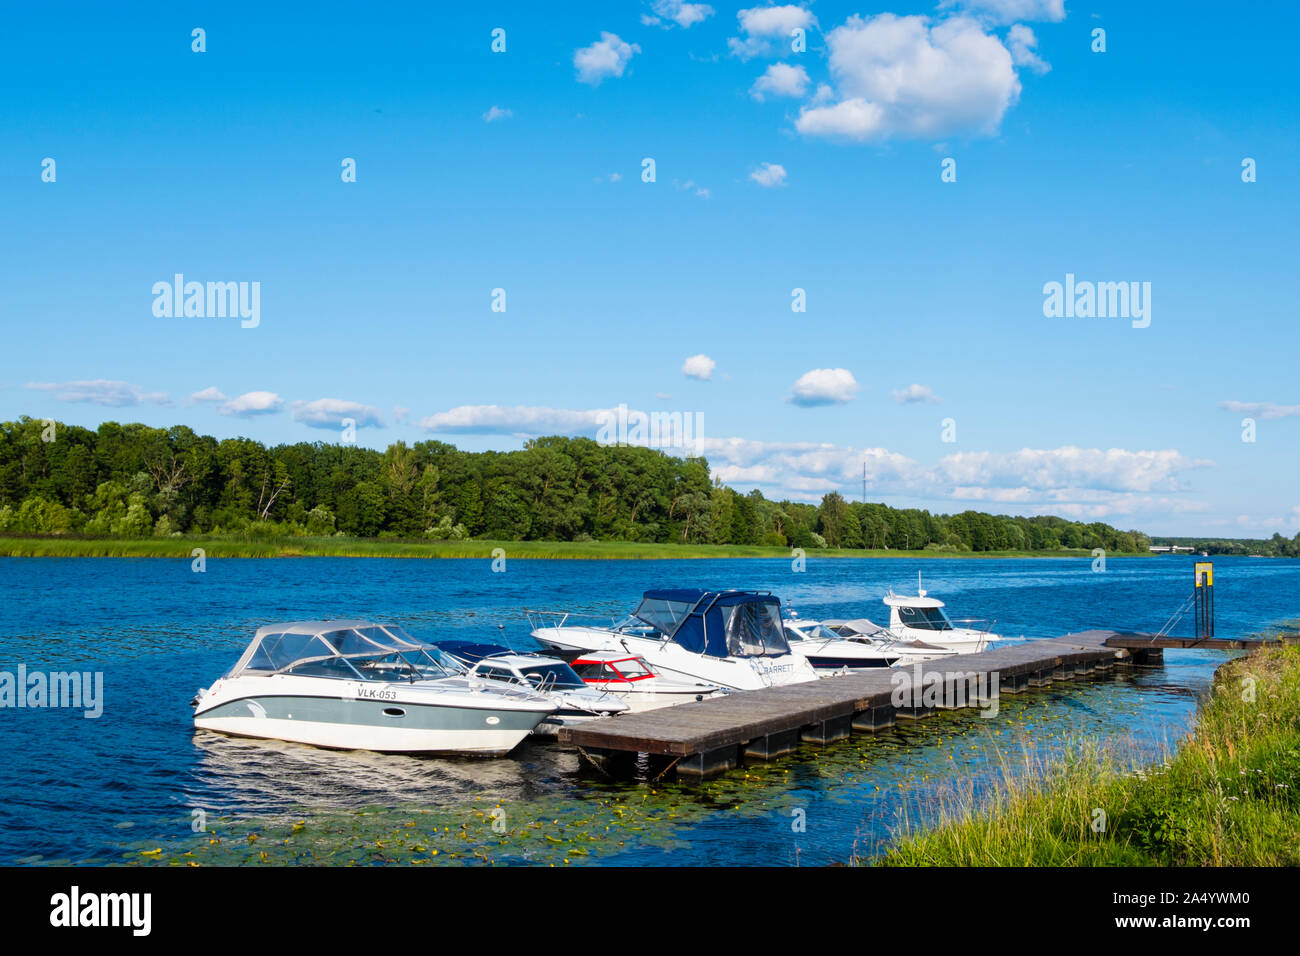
{"points": [[540, 619]]}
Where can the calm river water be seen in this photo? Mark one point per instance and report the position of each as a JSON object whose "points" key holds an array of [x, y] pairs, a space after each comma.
{"points": [[128, 786]]}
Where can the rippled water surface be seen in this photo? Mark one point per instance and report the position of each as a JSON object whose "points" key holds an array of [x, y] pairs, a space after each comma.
{"points": [[120, 787]]}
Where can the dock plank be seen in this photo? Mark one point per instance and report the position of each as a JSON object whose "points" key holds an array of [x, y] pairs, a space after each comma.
{"points": [[700, 727]]}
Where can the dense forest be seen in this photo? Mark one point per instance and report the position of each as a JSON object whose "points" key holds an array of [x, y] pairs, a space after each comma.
{"points": [[136, 481]]}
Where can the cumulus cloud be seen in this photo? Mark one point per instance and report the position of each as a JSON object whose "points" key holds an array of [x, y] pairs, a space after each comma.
{"points": [[608, 56], [497, 113], [210, 394], [767, 30], [824, 386], [1009, 11], [101, 392], [330, 413], [400, 414], [252, 403], [901, 77], [1264, 410], [1068, 467], [514, 420], [699, 366], [780, 79], [915, 395], [769, 175], [668, 12], [1021, 42], [1076, 482]]}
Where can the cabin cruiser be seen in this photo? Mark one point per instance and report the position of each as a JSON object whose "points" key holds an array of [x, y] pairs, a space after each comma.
{"points": [[734, 639], [829, 653], [921, 618], [918, 623], [550, 677], [633, 680], [359, 685]]}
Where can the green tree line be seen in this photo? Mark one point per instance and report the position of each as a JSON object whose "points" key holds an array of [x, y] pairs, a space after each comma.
{"points": [[134, 480], [1274, 547]]}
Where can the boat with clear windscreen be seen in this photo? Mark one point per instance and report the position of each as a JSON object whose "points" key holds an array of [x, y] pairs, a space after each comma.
{"points": [[361, 685], [732, 639]]}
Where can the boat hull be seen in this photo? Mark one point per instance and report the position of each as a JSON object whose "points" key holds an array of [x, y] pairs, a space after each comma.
{"points": [[385, 726]]}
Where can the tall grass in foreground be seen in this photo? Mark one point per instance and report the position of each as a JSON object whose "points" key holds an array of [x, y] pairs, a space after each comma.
{"points": [[1228, 796]]}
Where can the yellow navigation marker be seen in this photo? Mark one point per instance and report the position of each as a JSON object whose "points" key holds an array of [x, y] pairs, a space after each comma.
{"points": [[1205, 574]]}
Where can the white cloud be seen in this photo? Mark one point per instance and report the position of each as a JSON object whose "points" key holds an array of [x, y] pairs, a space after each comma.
{"points": [[400, 414], [1021, 42], [915, 395], [1009, 11], [679, 12], [497, 113], [767, 29], [608, 56], [699, 366], [210, 394], [1068, 467], [252, 403], [780, 79], [1075, 482], [769, 175], [515, 420], [101, 392], [824, 386], [900, 77], [691, 186], [330, 412], [1264, 410]]}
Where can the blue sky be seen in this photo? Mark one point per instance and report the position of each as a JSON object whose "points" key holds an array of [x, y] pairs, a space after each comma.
{"points": [[522, 171]]}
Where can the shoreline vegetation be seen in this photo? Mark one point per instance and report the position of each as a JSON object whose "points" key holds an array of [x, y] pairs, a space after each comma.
{"points": [[125, 482], [1228, 795], [62, 546]]}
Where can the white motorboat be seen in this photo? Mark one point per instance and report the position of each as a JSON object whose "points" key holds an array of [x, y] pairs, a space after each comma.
{"points": [[358, 685], [633, 680], [921, 618], [734, 639], [829, 653], [550, 677]]}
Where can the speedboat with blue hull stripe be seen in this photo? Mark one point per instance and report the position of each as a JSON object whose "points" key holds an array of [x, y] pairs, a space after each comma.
{"points": [[732, 639], [359, 685]]}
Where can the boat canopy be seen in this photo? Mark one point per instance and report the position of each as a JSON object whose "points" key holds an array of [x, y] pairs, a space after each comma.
{"points": [[280, 647], [717, 623]]}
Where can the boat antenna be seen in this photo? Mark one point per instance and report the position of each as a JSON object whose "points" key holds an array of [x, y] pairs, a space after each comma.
{"points": [[920, 591]]}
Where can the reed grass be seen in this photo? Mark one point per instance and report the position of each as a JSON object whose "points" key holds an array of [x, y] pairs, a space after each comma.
{"points": [[250, 547], [1228, 795]]}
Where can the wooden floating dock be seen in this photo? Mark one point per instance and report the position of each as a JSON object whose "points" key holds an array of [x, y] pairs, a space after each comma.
{"points": [[703, 738]]}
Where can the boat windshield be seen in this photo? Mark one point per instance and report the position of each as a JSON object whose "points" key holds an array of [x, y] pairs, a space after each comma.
{"points": [[354, 652], [557, 676], [811, 632], [924, 618], [663, 614]]}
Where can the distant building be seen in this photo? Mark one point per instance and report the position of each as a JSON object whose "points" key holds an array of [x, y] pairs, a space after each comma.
{"points": [[1170, 548]]}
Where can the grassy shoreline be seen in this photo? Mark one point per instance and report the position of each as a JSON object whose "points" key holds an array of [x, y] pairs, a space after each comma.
{"points": [[231, 547], [1228, 796]]}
